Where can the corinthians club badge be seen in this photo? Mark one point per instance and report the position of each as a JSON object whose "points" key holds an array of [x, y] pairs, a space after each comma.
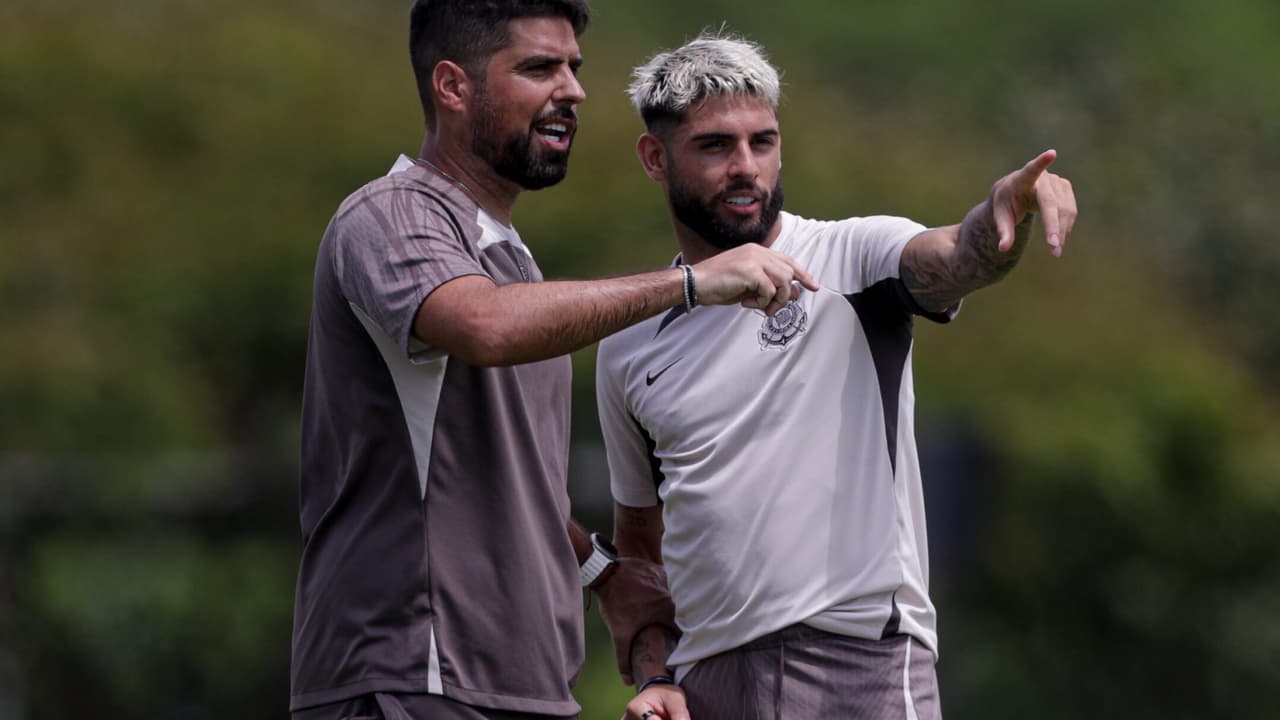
{"points": [[786, 325]]}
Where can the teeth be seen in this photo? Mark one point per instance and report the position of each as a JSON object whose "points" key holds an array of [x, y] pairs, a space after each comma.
{"points": [[740, 201]]}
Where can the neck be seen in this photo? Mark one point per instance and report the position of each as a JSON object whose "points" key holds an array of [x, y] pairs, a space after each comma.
{"points": [[493, 193]]}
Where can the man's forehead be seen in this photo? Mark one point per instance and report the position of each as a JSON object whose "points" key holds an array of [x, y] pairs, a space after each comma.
{"points": [[549, 36], [732, 114]]}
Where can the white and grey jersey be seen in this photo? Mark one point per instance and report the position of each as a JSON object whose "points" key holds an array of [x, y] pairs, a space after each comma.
{"points": [[434, 495], [783, 448]]}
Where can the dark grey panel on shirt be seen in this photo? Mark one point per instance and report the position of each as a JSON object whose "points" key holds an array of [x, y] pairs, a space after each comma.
{"points": [[885, 311]]}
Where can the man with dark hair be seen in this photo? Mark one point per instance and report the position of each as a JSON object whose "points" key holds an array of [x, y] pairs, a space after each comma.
{"points": [[469, 33], [468, 36], [797, 555], [441, 573]]}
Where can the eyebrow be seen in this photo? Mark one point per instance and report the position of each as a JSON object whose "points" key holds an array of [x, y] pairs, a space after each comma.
{"points": [[758, 135], [539, 60]]}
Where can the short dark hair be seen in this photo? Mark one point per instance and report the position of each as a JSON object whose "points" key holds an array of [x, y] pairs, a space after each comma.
{"points": [[469, 32]]}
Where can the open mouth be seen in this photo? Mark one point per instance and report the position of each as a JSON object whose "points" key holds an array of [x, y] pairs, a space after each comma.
{"points": [[742, 204], [556, 133]]}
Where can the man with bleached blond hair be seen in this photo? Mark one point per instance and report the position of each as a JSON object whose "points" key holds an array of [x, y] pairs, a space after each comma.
{"points": [[769, 461]]}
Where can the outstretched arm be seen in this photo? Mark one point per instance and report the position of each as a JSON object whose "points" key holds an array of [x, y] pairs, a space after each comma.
{"points": [[942, 265], [485, 324]]}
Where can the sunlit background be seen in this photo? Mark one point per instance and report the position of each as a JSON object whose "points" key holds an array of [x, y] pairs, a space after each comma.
{"points": [[1098, 433]]}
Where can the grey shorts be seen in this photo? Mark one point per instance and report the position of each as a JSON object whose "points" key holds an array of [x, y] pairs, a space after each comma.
{"points": [[802, 673], [408, 706]]}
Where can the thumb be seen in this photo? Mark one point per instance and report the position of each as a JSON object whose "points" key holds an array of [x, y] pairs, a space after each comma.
{"points": [[1003, 215]]}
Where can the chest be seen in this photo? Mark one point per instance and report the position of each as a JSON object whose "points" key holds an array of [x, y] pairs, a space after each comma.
{"points": [[723, 367]]}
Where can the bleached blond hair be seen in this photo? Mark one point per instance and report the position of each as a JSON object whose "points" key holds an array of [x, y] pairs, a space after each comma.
{"points": [[712, 64]]}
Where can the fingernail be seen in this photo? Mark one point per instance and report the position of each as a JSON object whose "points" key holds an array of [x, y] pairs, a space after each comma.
{"points": [[1054, 241]]}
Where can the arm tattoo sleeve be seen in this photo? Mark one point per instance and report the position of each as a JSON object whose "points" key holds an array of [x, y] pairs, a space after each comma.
{"points": [[939, 275]]}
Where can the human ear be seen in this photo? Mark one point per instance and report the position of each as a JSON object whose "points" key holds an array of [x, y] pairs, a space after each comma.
{"points": [[653, 156], [451, 85]]}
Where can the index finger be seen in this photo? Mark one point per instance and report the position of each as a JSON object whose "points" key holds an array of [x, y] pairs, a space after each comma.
{"points": [[1032, 171], [799, 273]]}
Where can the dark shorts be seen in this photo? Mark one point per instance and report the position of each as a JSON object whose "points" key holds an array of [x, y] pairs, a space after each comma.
{"points": [[409, 706], [801, 673]]}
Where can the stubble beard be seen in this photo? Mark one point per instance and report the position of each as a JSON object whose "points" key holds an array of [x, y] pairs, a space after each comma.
{"points": [[704, 219], [514, 157]]}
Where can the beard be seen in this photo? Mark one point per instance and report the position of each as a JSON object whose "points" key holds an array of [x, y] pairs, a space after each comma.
{"points": [[515, 157], [704, 219]]}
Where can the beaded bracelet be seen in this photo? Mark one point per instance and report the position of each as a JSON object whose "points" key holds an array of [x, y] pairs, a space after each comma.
{"points": [[690, 288]]}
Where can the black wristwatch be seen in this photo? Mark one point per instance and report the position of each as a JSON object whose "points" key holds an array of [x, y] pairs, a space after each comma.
{"points": [[603, 556]]}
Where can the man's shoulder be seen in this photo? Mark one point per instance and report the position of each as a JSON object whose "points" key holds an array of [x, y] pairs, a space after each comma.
{"points": [[408, 188], [801, 235], [798, 230], [408, 200], [630, 337], [810, 228], [617, 349]]}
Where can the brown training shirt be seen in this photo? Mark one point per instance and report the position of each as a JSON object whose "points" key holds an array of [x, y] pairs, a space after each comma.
{"points": [[433, 494]]}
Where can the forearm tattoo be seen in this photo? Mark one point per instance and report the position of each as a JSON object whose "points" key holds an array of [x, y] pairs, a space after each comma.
{"points": [[634, 518], [649, 652], [939, 276], [979, 259]]}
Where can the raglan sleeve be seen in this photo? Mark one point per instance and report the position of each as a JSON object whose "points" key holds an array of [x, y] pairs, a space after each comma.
{"points": [[867, 253], [633, 477], [390, 257]]}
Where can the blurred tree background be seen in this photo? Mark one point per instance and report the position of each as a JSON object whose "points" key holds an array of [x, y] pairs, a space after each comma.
{"points": [[1099, 433]]}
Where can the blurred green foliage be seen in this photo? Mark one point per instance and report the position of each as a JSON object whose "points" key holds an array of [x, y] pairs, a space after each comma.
{"points": [[1103, 479]]}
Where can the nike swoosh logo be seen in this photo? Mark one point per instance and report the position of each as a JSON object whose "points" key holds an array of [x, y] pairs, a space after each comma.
{"points": [[652, 377]]}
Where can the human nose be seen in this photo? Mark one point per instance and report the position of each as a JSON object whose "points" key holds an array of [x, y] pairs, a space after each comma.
{"points": [[570, 89], [742, 164]]}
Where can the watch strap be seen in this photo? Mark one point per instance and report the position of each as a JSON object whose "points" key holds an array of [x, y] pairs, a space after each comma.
{"points": [[596, 564]]}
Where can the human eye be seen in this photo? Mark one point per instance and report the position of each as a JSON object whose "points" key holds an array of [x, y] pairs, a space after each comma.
{"points": [[539, 67]]}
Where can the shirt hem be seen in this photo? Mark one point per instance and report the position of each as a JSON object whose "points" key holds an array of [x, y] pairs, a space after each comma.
{"points": [[477, 698]]}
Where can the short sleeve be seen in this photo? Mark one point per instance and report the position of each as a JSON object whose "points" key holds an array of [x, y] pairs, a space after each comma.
{"points": [[860, 252], [392, 249], [853, 256], [633, 472]]}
